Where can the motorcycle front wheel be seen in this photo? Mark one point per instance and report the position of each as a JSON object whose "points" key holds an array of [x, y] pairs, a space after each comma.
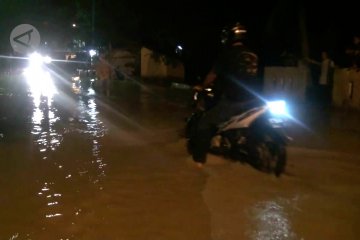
{"points": [[268, 155]]}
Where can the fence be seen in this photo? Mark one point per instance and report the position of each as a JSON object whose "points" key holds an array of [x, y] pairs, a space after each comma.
{"points": [[285, 82], [292, 83], [346, 91]]}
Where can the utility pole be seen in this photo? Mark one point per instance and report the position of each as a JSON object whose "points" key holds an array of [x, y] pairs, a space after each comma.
{"points": [[304, 40], [303, 32], [93, 24]]}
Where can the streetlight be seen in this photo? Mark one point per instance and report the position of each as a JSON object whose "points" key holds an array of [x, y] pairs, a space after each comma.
{"points": [[178, 49], [92, 52], [93, 24], [74, 25]]}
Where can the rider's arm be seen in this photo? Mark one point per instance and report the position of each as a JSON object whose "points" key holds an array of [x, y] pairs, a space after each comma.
{"points": [[313, 61], [210, 78]]}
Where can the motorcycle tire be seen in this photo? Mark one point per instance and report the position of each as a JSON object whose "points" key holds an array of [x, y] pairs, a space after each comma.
{"points": [[281, 162], [269, 156]]}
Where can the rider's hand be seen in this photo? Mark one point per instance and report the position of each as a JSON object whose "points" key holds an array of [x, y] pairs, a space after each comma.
{"points": [[198, 88]]}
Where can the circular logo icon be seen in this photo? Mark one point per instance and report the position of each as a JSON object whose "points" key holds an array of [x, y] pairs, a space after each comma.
{"points": [[24, 38]]}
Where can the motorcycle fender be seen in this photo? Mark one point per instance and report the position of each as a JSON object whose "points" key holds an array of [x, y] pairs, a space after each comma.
{"points": [[243, 120], [280, 135]]}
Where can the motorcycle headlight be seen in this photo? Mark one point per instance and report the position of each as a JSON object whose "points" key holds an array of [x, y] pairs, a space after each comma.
{"points": [[277, 107]]}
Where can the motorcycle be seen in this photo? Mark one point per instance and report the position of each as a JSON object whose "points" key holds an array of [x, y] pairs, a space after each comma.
{"points": [[256, 134], [83, 78]]}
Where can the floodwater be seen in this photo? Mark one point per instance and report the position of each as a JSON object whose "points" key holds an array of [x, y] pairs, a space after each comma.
{"points": [[79, 166]]}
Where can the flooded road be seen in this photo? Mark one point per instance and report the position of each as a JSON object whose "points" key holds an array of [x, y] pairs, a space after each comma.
{"points": [[85, 167]]}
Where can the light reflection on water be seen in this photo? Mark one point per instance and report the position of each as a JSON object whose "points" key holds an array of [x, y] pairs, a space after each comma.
{"points": [[88, 117], [272, 220], [49, 130], [44, 119], [52, 200]]}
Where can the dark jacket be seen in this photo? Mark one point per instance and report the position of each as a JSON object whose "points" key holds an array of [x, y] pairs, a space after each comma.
{"points": [[236, 70]]}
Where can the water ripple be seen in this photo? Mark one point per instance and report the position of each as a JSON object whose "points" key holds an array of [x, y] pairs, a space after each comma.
{"points": [[44, 119], [272, 221]]}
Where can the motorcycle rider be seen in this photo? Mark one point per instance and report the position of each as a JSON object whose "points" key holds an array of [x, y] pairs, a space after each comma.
{"points": [[234, 77]]}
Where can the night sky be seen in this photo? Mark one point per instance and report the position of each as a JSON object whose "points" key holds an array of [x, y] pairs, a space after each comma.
{"points": [[273, 25]]}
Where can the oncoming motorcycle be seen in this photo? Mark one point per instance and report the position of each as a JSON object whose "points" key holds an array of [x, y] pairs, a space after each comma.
{"points": [[256, 134]]}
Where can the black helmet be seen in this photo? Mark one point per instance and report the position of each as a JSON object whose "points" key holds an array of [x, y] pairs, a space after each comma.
{"points": [[233, 33]]}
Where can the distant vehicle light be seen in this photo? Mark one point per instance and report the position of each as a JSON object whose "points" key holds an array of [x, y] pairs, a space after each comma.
{"points": [[77, 78], [92, 52], [47, 59], [35, 59], [237, 31]]}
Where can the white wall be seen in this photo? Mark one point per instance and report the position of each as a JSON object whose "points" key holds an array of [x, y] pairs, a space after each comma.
{"points": [[150, 68]]}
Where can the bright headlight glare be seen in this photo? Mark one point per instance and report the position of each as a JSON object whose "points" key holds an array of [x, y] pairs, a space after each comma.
{"points": [[35, 59], [47, 59], [277, 107], [38, 78]]}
